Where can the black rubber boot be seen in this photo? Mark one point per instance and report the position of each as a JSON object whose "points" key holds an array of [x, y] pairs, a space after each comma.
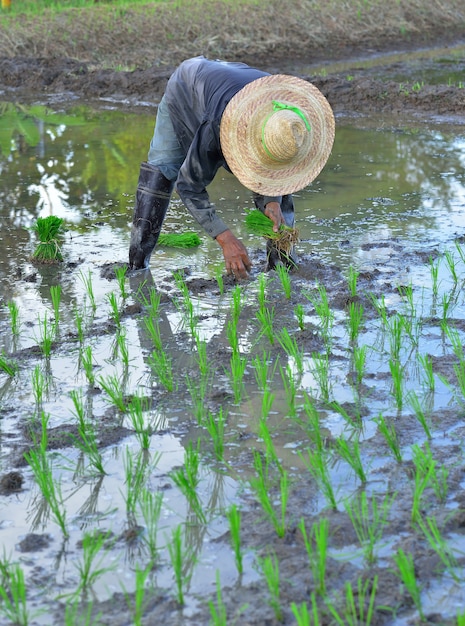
{"points": [[274, 256], [152, 199]]}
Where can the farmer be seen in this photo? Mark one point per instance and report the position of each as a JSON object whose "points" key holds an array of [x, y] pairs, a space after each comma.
{"points": [[273, 132]]}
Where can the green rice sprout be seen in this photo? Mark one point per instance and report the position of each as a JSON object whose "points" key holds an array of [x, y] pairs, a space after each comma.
{"points": [[8, 365], [79, 321], [320, 369], [350, 452], [359, 358], [15, 323], [187, 479], [94, 555], [180, 555], [218, 613], [434, 270], [290, 389], [302, 614], [115, 313], [259, 224], [87, 362], [185, 304], [299, 313], [87, 440], [120, 273], [150, 504], [87, 282], [115, 390], [234, 518], [263, 370], [201, 357], [237, 366], [135, 471], [368, 519], [138, 606], [231, 332], [215, 423], [422, 478], [78, 613], [219, 279], [270, 450], [285, 279], [267, 402], [424, 462], [270, 569], [46, 336], [451, 264], [390, 436], [406, 572], [359, 604], [289, 344], [122, 348], [55, 293], [13, 594], [317, 464], [48, 230], [152, 326], [426, 362], [316, 544], [355, 320], [161, 365], [266, 316], [431, 531], [137, 410], [414, 401], [179, 240], [397, 373], [260, 485], [352, 281], [323, 311]]}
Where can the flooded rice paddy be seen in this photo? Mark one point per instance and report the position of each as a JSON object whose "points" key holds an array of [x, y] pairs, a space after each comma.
{"points": [[171, 439]]}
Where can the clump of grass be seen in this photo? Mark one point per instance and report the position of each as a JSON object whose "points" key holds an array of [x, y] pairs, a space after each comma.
{"points": [[48, 230], [179, 240], [259, 224]]}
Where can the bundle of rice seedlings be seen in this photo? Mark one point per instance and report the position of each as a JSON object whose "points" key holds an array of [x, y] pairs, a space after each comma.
{"points": [[48, 230], [179, 240], [259, 224]]}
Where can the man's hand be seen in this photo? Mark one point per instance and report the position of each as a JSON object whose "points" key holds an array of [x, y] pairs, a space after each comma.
{"points": [[273, 211], [235, 255]]}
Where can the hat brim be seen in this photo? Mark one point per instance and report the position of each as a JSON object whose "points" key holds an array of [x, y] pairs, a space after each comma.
{"points": [[246, 112]]}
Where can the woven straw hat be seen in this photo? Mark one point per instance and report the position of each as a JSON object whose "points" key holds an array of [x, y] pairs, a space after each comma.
{"points": [[276, 134]]}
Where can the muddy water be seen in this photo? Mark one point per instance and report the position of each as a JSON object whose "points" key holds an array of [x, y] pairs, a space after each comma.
{"points": [[391, 198]]}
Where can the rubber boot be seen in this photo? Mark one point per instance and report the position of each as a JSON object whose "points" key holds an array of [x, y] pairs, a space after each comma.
{"points": [[274, 256], [152, 199]]}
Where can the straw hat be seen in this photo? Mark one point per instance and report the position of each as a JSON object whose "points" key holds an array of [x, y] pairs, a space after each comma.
{"points": [[276, 134]]}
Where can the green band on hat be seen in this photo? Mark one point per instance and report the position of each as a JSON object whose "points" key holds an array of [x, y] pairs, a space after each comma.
{"points": [[281, 106]]}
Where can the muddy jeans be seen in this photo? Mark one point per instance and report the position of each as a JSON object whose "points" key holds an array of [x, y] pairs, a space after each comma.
{"points": [[165, 151]]}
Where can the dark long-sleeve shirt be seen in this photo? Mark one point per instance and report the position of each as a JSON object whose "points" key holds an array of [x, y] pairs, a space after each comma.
{"points": [[196, 95]]}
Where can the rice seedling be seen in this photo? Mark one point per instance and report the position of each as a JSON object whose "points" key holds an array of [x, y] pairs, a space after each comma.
{"points": [[460, 618], [161, 365], [270, 569], [283, 273], [396, 326], [79, 322], [78, 613], [179, 240], [120, 273], [426, 465], [49, 231], [87, 441], [316, 545], [267, 403], [87, 282], [237, 366], [323, 310], [313, 424], [185, 304], [359, 358], [414, 401], [87, 362], [8, 365], [114, 389], [302, 614], [122, 348], [291, 347], [215, 426], [179, 555], [219, 279], [115, 313], [91, 565], [406, 572], [135, 471], [46, 336], [263, 370], [380, 307], [355, 320], [15, 322], [406, 292], [150, 504], [352, 280], [218, 613], [13, 593], [260, 484], [265, 315], [139, 604], [422, 479], [201, 358], [186, 478], [198, 391], [234, 518], [320, 369], [55, 293], [430, 529], [359, 604], [368, 519], [390, 435], [259, 224], [316, 463], [137, 411], [290, 388], [397, 373], [270, 451], [350, 452], [434, 271], [231, 332], [42, 469], [353, 419], [426, 362], [451, 264], [153, 328], [299, 313]]}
